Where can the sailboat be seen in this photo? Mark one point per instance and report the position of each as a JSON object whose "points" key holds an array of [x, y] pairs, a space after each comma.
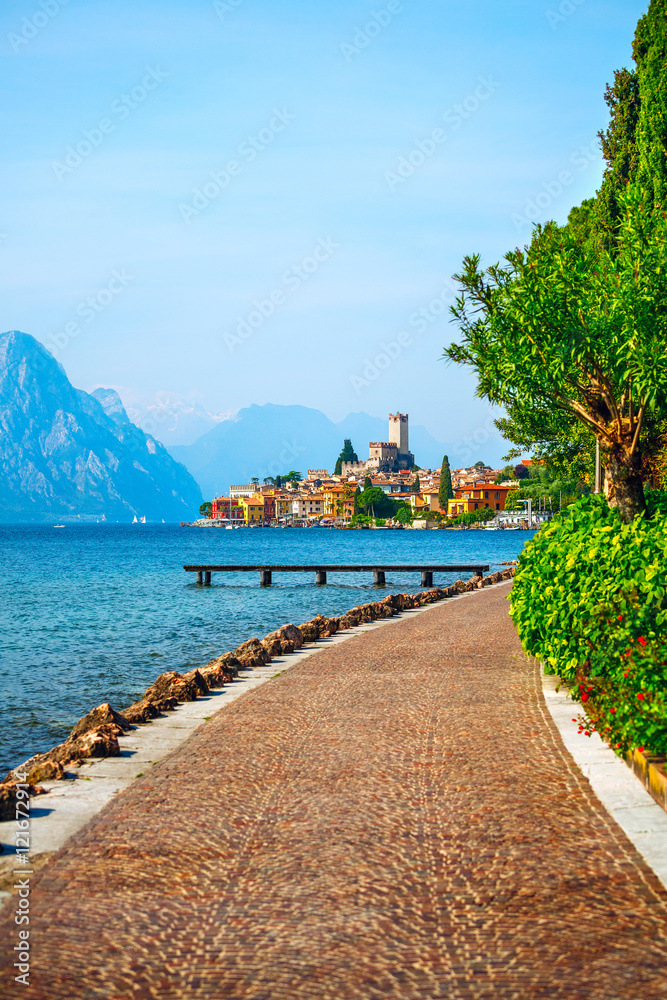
{"points": [[142, 520], [134, 520]]}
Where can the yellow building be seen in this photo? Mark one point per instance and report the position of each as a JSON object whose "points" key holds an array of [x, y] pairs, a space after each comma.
{"points": [[253, 509]]}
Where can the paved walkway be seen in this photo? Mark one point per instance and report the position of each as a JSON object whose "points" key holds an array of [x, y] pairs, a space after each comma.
{"points": [[395, 817]]}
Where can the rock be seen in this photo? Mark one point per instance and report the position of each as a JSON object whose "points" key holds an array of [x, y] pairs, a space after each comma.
{"points": [[172, 685], [196, 676], [103, 715], [312, 630], [332, 626], [102, 742], [226, 662], [46, 770], [142, 711], [252, 654], [284, 640], [8, 798]]}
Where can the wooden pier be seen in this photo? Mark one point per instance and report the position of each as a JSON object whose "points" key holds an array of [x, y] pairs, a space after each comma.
{"points": [[379, 572]]}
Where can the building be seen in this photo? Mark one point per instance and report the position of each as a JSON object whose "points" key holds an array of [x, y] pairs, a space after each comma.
{"points": [[471, 498], [308, 505], [227, 509], [392, 455], [243, 491], [253, 509]]}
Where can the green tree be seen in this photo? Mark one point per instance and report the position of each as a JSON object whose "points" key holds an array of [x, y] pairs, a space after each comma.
{"points": [[416, 485], [357, 494], [255, 481], [404, 514], [348, 454], [367, 483], [566, 327], [445, 489], [293, 477], [206, 509]]}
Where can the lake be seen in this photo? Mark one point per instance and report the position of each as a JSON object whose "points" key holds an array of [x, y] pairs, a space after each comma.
{"points": [[94, 612]]}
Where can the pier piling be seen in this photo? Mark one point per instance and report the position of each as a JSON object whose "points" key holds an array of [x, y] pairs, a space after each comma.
{"points": [[320, 577]]}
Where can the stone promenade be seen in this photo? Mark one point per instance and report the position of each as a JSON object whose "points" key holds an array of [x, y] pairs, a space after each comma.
{"points": [[393, 817]]}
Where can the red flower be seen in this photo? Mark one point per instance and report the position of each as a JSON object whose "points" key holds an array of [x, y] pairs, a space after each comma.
{"points": [[641, 749], [620, 618], [640, 696], [587, 733], [574, 720], [584, 697], [641, 640], [612, 710]]}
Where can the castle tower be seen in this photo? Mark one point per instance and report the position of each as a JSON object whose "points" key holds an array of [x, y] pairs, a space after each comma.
{"points": [[398, 432]]}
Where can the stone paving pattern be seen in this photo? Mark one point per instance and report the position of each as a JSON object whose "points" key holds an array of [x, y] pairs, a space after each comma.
{"points": [[393, 817]]}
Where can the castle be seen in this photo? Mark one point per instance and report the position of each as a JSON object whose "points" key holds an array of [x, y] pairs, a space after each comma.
{"points": [[386, 456]]}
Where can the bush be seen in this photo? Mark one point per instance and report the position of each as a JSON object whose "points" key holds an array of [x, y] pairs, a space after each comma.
{"points": [[589, 600]]}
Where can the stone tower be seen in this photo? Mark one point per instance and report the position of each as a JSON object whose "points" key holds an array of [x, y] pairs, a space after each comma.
{"points": [[398, 432]]}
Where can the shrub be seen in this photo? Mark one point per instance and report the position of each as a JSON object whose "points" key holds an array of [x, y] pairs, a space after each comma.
{"points": [[589, 600]]}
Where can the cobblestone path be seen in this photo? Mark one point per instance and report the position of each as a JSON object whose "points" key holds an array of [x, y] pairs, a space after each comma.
{"points": [[394, 817]]}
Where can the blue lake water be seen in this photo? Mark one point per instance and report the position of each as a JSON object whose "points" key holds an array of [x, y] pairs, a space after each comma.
{"points": [[92, 613]]}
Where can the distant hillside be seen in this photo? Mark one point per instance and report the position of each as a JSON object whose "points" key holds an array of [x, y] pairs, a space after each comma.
{"points": [[271, 440], [65, 453]]}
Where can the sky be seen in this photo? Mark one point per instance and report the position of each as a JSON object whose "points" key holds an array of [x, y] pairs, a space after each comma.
{"points": [[246, 201]]}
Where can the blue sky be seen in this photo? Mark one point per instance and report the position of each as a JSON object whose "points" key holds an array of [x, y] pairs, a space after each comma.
{"points": [[260, 197]]}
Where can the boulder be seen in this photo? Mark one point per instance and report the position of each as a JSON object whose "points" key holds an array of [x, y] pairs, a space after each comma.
{"points": [[103, 715], [196, 676], [252, 654], [143, 711], [172, 685], [8, 799], [45, 770], [102, 742], [227, 662], [332, 626], [312, 630], [284, 640]]}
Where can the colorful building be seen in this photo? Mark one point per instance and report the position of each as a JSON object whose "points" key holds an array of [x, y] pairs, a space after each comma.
{"points": [[253, 509], [227, 509], [471, 498]]}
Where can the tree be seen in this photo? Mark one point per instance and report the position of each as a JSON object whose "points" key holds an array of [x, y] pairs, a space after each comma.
{"points": [[481, 465], [521, 472], [404, 514], [367, 483], [348, 454], [357, 494], [416, 485], [568, 327], [255, 481], [445, 489], [269, 481], [206, 509], [293, 477]]}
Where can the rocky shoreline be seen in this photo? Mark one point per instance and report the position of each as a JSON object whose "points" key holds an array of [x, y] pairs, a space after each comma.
{"points": [[97, 734]]}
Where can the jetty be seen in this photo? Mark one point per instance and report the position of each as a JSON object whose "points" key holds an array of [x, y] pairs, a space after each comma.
{"points": [[379, 572]]}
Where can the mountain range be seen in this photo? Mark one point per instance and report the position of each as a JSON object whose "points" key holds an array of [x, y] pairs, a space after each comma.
{"points": [[66, 454], [271, 440]]}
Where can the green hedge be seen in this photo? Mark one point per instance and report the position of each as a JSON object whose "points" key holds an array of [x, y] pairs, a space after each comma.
{"points": [[589, 600]]}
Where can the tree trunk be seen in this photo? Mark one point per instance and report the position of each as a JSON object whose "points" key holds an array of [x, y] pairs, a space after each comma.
{"points": [[623, 484]]}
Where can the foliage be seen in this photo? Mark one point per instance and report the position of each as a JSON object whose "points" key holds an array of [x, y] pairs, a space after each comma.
{"points": [[292, 477], [565, 327], [348, 454], [473, 517], [367, 483], [590, 601], [445, 489], [404, 514], [521, 472], [206, 509], [375, 502], [361, 521], [416, 485]]}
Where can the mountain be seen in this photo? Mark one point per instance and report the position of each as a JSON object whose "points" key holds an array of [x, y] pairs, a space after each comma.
{"points": [[67, 453], [271, 440], [174, 421]]}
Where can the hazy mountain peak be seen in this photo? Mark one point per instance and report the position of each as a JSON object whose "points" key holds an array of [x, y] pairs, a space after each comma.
{"points": [[112, 404]]}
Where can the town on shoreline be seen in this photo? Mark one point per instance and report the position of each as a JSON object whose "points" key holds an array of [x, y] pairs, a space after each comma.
{"points": [[387, 491]]}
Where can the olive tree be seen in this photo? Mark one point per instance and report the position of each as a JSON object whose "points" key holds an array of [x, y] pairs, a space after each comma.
{"points": [[564, 326]]}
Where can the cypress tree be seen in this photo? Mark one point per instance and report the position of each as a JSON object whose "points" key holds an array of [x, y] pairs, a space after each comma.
{"points": [[367, 483], [348, 454], [416, 485], [445, 490]]}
